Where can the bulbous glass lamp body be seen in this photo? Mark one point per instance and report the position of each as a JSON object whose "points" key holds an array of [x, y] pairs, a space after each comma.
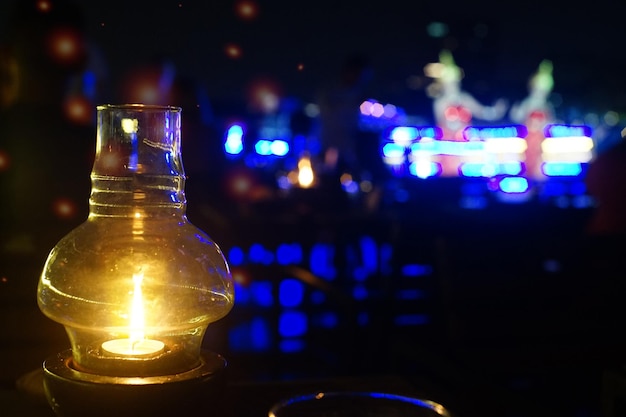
{"points": [[136, 285]]}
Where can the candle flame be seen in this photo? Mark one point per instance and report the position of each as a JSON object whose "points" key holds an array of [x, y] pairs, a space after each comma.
{"points": [[137, 318]]}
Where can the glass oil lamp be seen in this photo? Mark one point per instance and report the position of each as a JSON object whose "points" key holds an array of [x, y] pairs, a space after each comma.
{"points": [[136, 284]]}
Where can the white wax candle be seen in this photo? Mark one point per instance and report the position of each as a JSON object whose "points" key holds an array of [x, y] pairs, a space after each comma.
{"points": [[135, 348]]}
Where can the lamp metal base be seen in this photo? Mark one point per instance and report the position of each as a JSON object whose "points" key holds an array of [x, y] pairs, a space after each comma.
{"points": [[72, 393]]}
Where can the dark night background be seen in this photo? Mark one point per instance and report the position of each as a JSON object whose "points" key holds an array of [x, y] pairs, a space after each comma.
{"points": [[498, 44], [526, 311]]}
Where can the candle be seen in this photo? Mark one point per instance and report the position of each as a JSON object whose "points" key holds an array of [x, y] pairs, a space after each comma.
{"points": [[136, 344], [134, 348]]}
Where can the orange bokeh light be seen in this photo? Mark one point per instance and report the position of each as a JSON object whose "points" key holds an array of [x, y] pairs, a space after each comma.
{"points": [[246, 9], [241, 276], [5, 160], [44, 6], [233, 50], [241, 185], [149, 85], [78, 109], [264, 95], [64, 208], [65, 46]]}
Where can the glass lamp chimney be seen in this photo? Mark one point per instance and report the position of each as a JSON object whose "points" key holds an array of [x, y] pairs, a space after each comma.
{"points": [[136, 284]]}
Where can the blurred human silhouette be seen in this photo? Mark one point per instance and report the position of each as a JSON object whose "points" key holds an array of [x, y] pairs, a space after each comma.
{"points": [[606, 183], [158, 81], [535, 112], [453, 108], [605, 243], [344, 146], [339, 116]]}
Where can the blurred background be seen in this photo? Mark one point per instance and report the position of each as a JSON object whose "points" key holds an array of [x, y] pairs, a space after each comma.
{"points": [[317, 157]]}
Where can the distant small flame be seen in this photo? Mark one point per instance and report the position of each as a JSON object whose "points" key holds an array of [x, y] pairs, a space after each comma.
{"points": [[305, 172]]}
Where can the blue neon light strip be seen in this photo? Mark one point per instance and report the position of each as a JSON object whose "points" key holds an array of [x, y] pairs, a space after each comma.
{"points": [[478, 170], [411, 133], [489, 170], [482, 133], [562, 169], [511, 168], [393, 150], [559, 130], [514, 185], [404, 134], [424, 169], [448, 147]]}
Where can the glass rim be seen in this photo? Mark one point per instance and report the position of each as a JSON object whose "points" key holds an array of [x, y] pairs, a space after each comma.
{"points": [[138, 107], [428, 404]]}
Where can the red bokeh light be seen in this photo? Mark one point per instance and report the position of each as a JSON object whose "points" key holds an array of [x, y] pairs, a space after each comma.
{"points": [[264, 95], [247, 9], [239, 184], [110, 162], [78, 109], [242, 184], [44, 6], [64, 208], [241, 276], [233, 50], [65, 46], [5, 160], [148, 85]]}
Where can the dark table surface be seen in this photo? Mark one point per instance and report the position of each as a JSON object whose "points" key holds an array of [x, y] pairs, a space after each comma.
{"points": [[241, 399], [514, 342]]}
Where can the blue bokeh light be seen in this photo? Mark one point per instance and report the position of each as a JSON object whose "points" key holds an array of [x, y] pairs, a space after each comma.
{"points": [[262, 293], [233, 144], [235, 256], [290, 292], [292, 324]]}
